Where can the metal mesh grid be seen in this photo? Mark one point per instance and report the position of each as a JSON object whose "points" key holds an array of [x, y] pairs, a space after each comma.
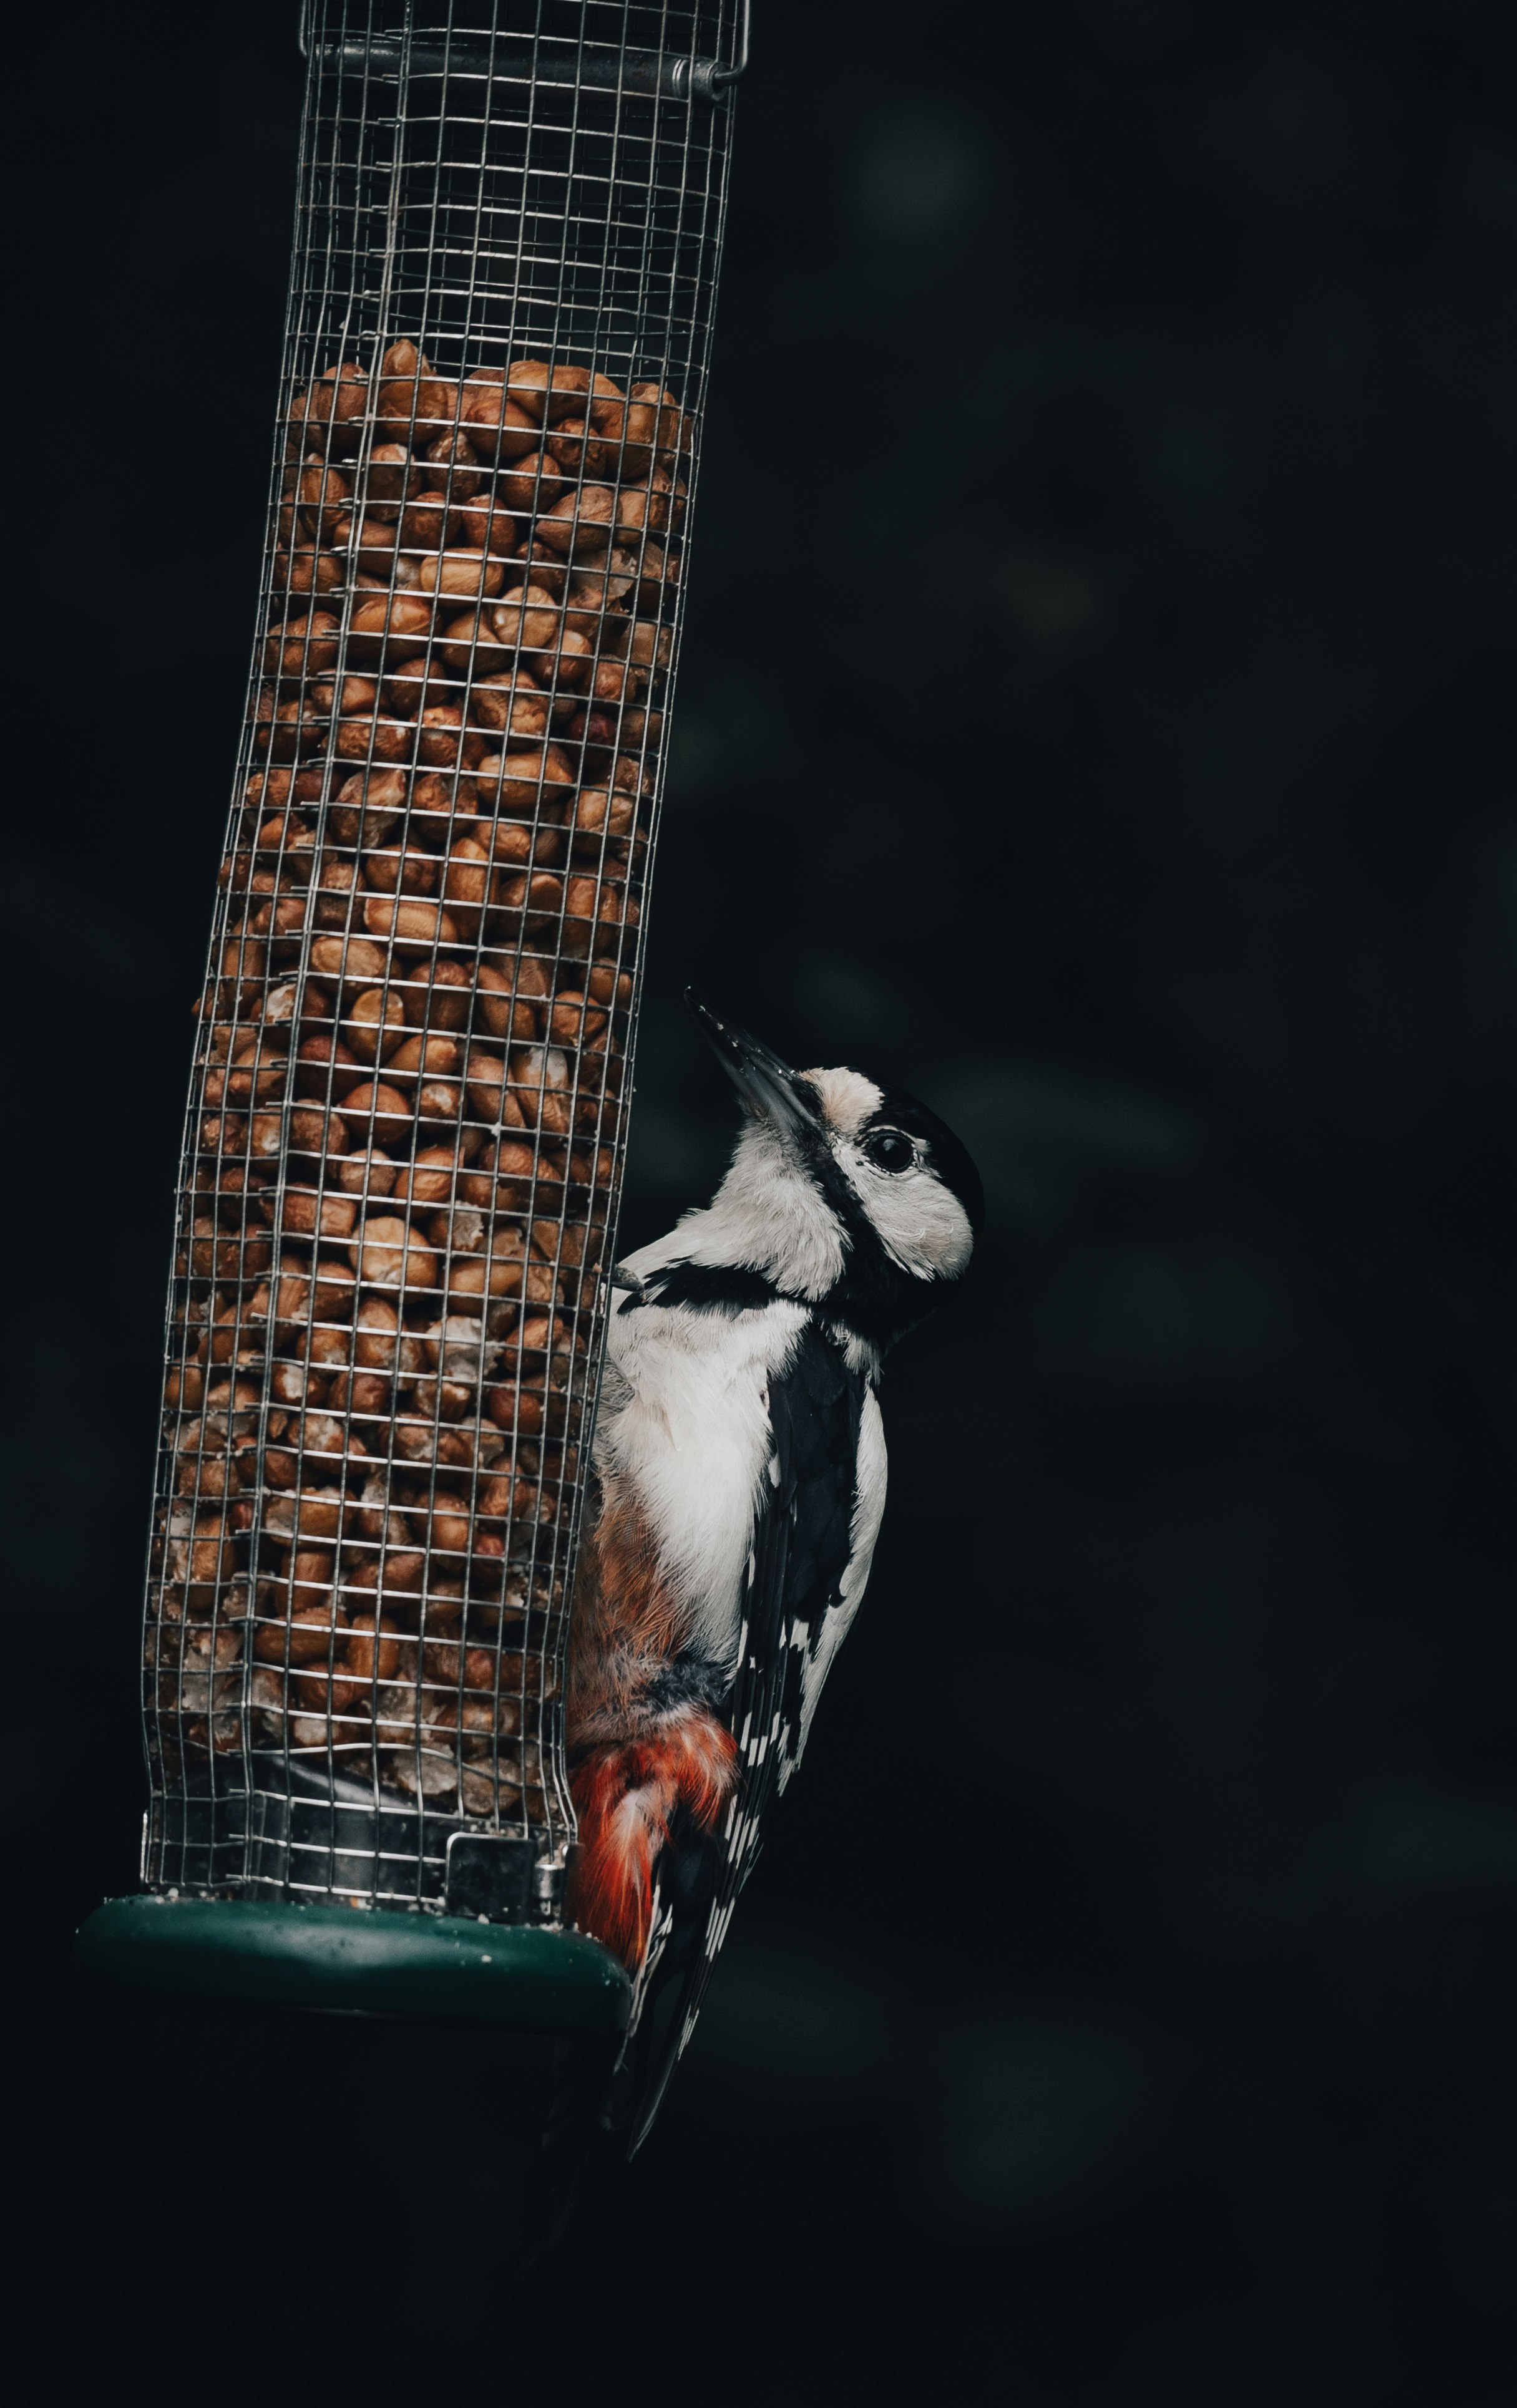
{"points": [[404, 1141]]}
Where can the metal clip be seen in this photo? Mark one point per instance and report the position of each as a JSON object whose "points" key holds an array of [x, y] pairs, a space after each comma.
{"points": [[552, 1875]]}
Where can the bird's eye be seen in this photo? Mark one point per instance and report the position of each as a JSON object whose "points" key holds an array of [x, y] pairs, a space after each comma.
{"points": [[888, 1149]]}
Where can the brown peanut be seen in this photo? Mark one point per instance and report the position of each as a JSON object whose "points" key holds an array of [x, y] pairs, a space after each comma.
{"points": [[580, 522], [376, 1104], [492, 418], [302, 646], [329, 414], [544, 392], [369, 807], [511, 1006], [392, 479], [435, 994], [388, 1254], [367, 1172], [413, 925], [511, 705], [394, 869], [530, 485], [453, 463], [412, 405], [373, 1027], [388, 627]]}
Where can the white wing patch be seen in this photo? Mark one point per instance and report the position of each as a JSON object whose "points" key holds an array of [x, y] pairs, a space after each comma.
{"points": [[868, 1511], [663, 1924]]}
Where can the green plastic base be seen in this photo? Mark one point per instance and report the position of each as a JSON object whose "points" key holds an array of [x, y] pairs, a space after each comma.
{"points": [[349, 1961]]}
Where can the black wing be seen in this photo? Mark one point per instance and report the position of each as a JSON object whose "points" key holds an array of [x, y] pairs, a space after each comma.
{"points": [[802, 1545]]}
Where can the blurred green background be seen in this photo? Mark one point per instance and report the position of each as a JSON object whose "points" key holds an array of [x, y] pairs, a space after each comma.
{"points": [[1115, 747]]}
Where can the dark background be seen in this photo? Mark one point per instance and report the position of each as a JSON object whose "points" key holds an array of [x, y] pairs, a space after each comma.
{"points": [[1119, 755]]}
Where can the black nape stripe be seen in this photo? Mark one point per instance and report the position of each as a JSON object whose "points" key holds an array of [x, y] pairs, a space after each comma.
{"points": [[711, 1287]]}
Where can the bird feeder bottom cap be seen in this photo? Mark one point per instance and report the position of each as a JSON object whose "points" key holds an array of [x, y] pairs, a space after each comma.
{"points": [[344, 1960]]}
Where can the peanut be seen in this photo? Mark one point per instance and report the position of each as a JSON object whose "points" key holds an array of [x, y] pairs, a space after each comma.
{"points": [[429, 1179], [388, 1254], [375, 1105], [468, 885], [454, 463], [368, 808], [325, 1068], [364, 1396], [485, 1083], [372, 1651], [511, 705], [308, 1213], [540, 1081], [329, 414], [546, 393], [367, 1172], [516, 1408], [496, 425], [580, 522], [374, 1024], [509, 1006], [596, 597], [414, 925], [423, 1057], [415, 685], [574, 1021], [306, 572], [435, 994], [388, 627], [442, 740], [529, 486], [302, 646], [569, 662], [392, 479], [306, 1638], [489, 640], [484, 526], [654, 428], [379, 1343], [515, 781], [588, 443], [502, 1181], [394, 871], [599, 812], [412, 405], [426, 522]]}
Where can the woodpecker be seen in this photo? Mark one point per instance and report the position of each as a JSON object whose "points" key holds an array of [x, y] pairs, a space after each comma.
{"points": [[739, 1466]]}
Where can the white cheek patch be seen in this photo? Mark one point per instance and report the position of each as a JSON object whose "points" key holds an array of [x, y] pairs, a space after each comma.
{"points": [[920, 1224], [848, 1099]]}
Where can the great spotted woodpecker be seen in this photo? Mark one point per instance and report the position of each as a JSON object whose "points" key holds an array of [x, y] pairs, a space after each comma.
{"points": [[739, 1469]]}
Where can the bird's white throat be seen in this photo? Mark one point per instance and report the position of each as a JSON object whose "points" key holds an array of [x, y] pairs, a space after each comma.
{"points": [[768, 1214]]}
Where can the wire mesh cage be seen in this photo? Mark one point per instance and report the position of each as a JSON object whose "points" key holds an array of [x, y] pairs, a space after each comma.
{"points": [[408, 1106]]}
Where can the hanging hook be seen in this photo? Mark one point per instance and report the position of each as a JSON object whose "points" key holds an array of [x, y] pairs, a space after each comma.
{"points": [[722, 79]]}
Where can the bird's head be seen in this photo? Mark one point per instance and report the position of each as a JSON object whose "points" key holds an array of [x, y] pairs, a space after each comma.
{"points": [[844, 1192]]}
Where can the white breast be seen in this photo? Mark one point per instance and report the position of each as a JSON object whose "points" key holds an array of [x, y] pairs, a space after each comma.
{"points": [[687, 1423]]}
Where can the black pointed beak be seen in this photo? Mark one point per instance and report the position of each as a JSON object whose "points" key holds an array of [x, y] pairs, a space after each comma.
{"points": [[767, 1085]]}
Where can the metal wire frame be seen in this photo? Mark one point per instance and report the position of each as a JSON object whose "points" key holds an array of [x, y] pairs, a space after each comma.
{"points": [[405, 1136]]}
